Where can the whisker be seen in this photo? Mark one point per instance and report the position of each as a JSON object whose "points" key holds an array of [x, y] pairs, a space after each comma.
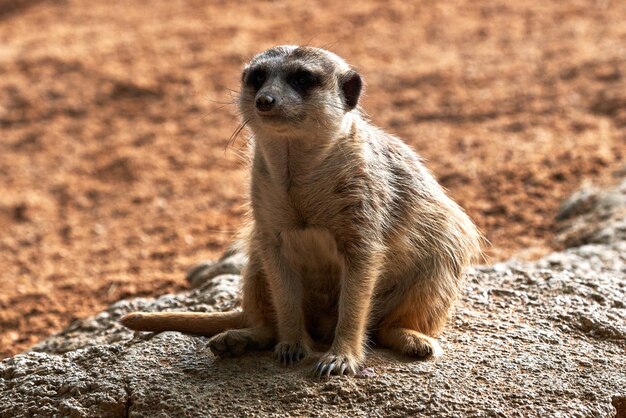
{"points": [[228, 103], [223, 103], [233, 137]]}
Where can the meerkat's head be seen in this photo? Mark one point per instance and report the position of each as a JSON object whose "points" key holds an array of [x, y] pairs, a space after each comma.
{"points": [[298, 90]]}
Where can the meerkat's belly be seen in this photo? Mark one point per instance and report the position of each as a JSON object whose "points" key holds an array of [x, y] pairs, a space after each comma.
{"points": [[313, 254]]}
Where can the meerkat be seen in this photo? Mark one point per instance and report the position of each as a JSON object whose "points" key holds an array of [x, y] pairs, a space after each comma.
{"points": [[351, 238]]}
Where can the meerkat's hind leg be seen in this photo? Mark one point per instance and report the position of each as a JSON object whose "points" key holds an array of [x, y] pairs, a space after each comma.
{"points": [[259, 332], [409, 342], [420, 314], [235, 342]]}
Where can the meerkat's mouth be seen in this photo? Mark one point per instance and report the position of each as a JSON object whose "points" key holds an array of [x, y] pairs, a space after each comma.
{"points": [[273, 117], [274, 120], [277, 124]]}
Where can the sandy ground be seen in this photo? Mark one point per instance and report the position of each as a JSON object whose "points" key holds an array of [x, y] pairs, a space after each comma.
{"points": [[114, 118]]}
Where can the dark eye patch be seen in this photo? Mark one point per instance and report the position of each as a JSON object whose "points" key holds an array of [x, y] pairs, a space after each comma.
{"points": [[256, 78], [303, 80]]}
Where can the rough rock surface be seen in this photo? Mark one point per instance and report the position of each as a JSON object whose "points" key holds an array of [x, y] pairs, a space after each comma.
{"points": [[114, 124], [528, 339], [593, 215]]}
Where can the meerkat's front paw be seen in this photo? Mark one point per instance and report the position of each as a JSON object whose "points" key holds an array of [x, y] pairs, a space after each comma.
{"points": [[290, 353], [339, 364]]}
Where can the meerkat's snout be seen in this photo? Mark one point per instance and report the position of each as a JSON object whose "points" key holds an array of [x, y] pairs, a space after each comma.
{"points": [[270, 99], [265, 102]]}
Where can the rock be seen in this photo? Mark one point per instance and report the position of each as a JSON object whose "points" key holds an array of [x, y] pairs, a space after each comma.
{"points": [[544, 338], [592, 215], [232, 262]]}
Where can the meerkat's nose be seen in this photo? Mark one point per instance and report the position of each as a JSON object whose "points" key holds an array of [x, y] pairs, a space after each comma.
{"points": [[265, 102]]}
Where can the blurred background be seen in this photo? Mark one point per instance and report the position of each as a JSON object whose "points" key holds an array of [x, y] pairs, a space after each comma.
{"points": [[114, 120]]}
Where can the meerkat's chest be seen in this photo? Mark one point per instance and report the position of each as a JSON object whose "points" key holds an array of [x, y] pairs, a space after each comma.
{"points": [[313, 253], [307, 209]]}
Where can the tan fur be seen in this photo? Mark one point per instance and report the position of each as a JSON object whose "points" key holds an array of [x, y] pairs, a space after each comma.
{"points": [[350, 234]]}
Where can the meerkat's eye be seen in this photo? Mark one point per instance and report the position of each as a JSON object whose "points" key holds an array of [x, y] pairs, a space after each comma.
{"points": [[256, 78], [302, 80]]}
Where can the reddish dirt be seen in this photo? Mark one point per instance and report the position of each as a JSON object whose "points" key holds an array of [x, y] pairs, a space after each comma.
{"points": [[114, 117]]}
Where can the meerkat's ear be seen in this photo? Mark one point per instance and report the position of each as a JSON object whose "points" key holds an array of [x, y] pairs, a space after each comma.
{"points": [[351, 85]]}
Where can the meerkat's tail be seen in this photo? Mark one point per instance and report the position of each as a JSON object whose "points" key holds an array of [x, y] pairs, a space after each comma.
{"points": [[198, 323]]}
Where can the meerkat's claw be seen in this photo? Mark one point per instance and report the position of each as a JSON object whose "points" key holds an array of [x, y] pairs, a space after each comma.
{"points": [[336, 364], [288, 354], [343, 369]]}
